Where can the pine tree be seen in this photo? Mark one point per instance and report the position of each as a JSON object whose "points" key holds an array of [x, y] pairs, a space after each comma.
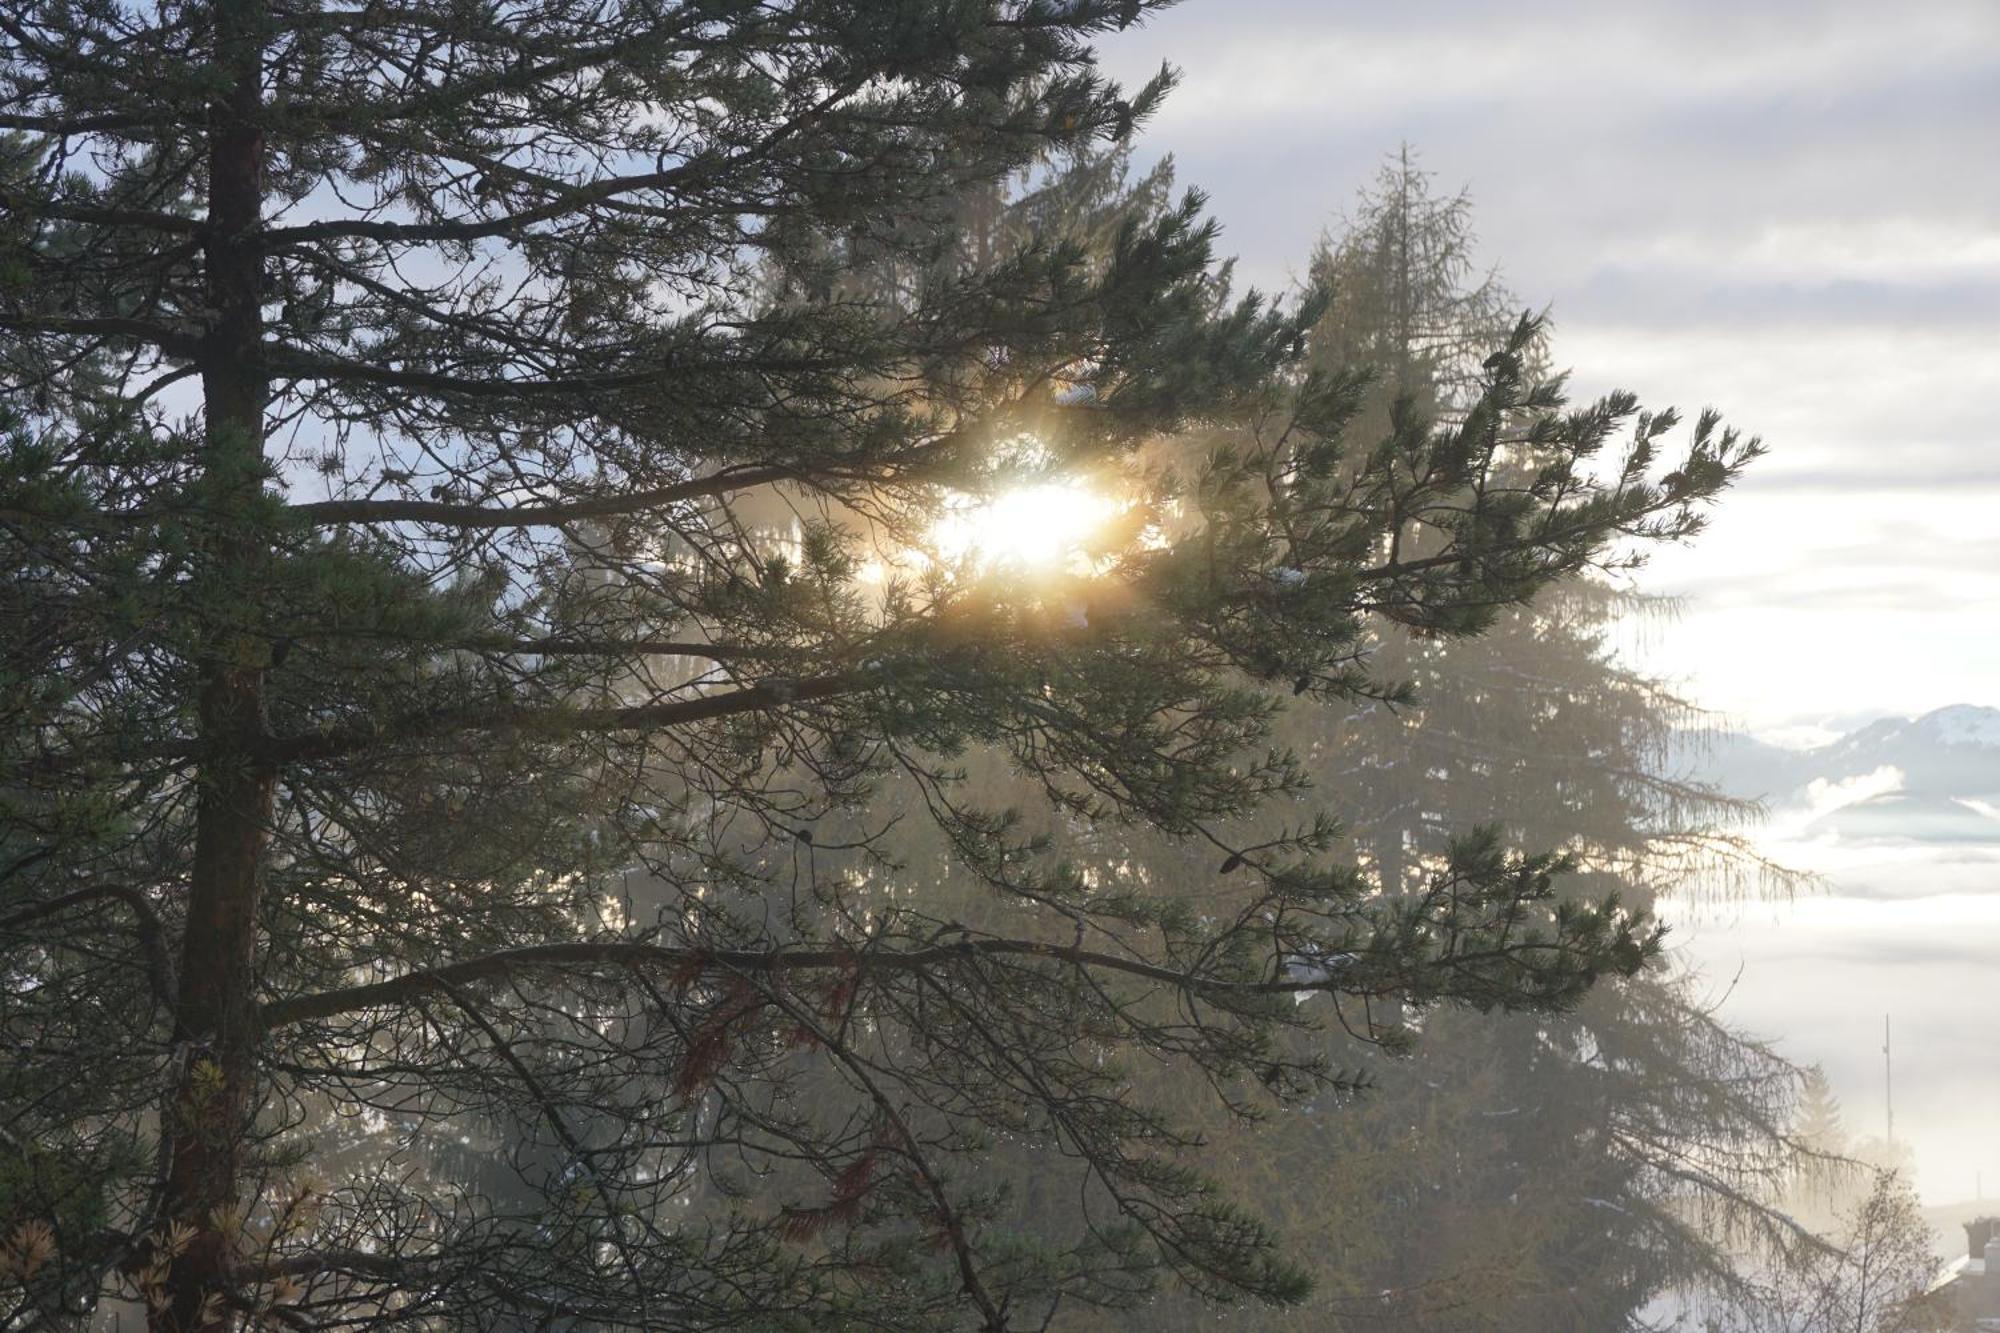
{"points": [[408, 742], [1460, 1179]]}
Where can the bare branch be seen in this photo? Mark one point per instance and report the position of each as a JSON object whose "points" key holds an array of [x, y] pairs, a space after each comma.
{"points": [[159, 967]]}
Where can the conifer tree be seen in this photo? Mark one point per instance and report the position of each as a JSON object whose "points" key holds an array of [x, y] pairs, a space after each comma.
{"points": [[405, 741], [1647, 1140], [1546, 1171], [1537, 1170], [1820, 1122]]}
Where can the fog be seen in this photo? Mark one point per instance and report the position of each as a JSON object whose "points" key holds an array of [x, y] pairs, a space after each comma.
{"points": [[1904, 931]]}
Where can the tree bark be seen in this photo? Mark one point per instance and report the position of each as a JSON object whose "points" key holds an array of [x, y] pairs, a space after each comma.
{"points": [[208, 1125]]}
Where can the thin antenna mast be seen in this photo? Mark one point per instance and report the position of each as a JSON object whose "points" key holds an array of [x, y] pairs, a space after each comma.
{"points": [[1888, 1080]]}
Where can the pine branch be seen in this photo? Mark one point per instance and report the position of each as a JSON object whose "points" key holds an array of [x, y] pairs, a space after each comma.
{"points": [[173, 342], [681, 961], [548, 513], [346, 742], [577, 198], [311, 747], [152, 939], [595, 647]]}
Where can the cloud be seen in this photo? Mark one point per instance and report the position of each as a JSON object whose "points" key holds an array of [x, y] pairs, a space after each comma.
{"points": [[1780, 208], [1884, 408], [1721, 293], [1824, 797], [1271, 64], [1604, 140], [1807, 591]]}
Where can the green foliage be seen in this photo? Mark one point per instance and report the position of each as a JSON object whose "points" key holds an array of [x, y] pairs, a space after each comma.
{"points": [[492, 725]]}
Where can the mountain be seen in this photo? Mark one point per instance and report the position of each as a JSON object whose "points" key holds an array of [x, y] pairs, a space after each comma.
{"points": [[1902, 817], [1952, 752], [1946, 758]]}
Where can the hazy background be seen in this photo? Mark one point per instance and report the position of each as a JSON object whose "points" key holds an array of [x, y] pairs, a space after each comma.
{"points": [[1790, 211]]}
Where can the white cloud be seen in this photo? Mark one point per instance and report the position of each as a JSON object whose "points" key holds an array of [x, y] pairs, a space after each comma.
{"points": [[1779, 208], [1890, 248], [1248, 65], [1823, 797]]}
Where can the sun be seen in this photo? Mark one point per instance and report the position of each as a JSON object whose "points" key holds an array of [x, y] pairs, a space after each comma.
{"points": [[1039, 527]]}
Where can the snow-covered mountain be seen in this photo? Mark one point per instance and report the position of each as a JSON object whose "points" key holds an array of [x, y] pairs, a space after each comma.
{"points": [[1934, 778], [1954, 751], [1902, 817], [1961, 725]]}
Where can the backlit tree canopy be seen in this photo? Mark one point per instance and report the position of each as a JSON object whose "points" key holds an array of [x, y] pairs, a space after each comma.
{"points": [[472, 549]]}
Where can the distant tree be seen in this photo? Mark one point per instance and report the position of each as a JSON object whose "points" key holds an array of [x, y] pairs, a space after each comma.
{"points": [[1413, 302], [1829, 1179], [1874, 1276], [406, 747], [1819, 1121]]}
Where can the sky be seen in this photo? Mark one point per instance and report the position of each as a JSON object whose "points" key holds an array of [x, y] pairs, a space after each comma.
{"points": [[1789, 211]]}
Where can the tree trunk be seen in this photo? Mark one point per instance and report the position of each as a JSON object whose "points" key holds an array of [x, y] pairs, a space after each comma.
{"points": [[209, 1121]]}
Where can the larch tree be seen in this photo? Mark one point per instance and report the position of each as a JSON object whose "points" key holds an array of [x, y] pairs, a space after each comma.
{"points": [[1649, 1142], [1534, 1171], [409, 745]]}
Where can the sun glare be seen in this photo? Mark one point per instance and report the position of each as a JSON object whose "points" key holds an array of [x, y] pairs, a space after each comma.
{"points": [[1038, 527]]}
